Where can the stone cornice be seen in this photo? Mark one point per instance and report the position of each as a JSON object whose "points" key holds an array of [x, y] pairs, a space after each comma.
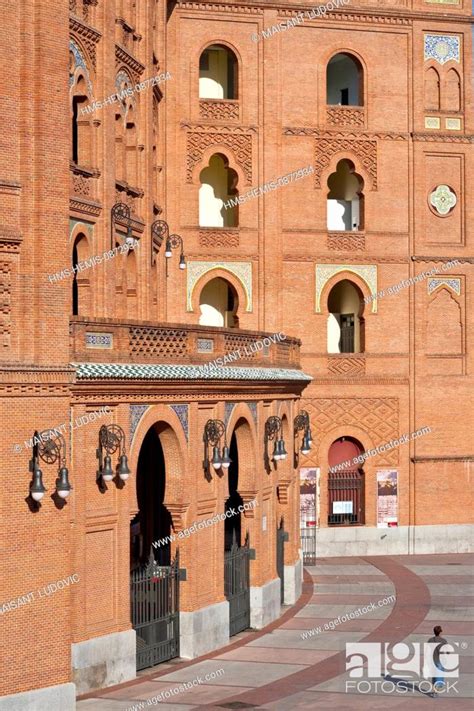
{"points": [[442, 138], [444, 458], [224, 128], [345, 258], [9, 187], [349, 134], [401, 16], [464, 260], [123, 57], [83, 206]]}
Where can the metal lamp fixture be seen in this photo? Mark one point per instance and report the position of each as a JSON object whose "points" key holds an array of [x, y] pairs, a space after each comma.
{"points": [[274, 431], [50, 447], [111, 438], [302, 423], [121, 211], [173, 242], [214, 430], [160, 232]]}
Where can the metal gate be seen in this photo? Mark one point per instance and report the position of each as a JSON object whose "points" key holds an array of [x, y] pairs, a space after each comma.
{"points": [[281, 538], [308, 544], [154, 599], [346, 498], [237, 585]]}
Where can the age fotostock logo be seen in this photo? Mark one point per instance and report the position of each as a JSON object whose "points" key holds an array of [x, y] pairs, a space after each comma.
{"points": [[403, 662]]}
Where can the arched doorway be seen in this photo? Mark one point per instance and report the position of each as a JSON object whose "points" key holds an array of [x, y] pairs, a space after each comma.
{"points": [[346, 491], [153, 520], [346, 333], [218, 304], [154, 573], [236, 555]]}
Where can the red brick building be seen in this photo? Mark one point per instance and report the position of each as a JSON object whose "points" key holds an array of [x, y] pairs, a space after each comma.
{"points": [[176, 112]]}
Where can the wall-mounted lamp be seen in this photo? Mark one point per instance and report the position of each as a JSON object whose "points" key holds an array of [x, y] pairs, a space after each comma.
{"points": [[50, 447], [302, 423], [111, 438], [214, 430], [274, 431], [159, 232], [121, 211]]}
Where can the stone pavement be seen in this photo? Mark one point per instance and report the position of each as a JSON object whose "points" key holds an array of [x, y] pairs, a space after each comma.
{"points": [[280, 668]]}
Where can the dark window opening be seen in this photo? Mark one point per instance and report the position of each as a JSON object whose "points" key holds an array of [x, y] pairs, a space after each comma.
{"points": [[233, 526], [344, 97], [75, 288]]}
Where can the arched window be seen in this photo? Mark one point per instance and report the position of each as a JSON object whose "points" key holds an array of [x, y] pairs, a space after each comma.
{"points": [[81, 292], [432, 89], [345, 321], [452, 91], [218, 186], [345, 201], [218, 304], [131, 288], [218, 73], [344, 81], [346, 495], [131, 159], [81, 138]]}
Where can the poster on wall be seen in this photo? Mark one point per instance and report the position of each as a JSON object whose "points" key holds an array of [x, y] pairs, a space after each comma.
{"points": [[308, 496], [387, 495]]}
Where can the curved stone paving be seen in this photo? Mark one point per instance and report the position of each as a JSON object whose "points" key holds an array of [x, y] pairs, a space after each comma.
{"points": [[277, 669]]}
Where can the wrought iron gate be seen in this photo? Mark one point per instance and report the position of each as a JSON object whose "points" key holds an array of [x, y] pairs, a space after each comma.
{"points": [[237, 585], [154, 599], [281, 538]]}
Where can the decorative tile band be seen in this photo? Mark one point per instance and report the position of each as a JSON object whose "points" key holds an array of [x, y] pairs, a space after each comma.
{"points": [[99, 340], [367, 272], [241, 270], [453, 284]]}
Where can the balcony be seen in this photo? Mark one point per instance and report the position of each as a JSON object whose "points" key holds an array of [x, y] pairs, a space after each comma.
{"points": [[112, 341]]}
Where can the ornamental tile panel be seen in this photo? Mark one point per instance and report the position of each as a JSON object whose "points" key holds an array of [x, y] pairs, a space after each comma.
{"points": [[182, 412], [442, 48], [136, 414], [367, 272], [443, 199], [453, 284], [241, 270]]}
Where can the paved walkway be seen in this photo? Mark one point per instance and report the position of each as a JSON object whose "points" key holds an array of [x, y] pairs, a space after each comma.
{"points": [[280, 668]]}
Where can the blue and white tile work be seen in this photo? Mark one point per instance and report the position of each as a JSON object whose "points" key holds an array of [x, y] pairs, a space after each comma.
{"points": [[454, 284], [182, 412], [136, 414], [443, 48], [125, 371]]}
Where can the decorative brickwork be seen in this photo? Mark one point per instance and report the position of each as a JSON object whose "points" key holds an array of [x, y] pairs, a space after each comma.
{"points": [[241, 145], [5, 304], [378, 416], [219, 110], [363, 152], [346, 365], [346, 241], [158, 342], [218, 238], [345, 116]]}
